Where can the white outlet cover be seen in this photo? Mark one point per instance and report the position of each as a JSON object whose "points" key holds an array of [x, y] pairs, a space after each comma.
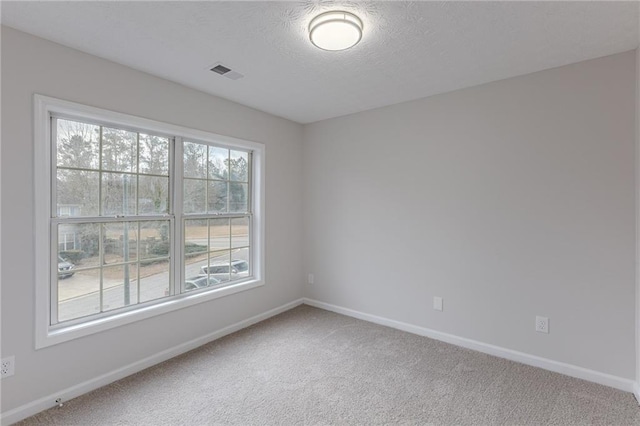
{"points": [[7, 366], [310, 279], [437, 303], [542, 324]]}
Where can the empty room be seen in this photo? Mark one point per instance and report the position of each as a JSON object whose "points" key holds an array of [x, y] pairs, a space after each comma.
{"points": [[319, 212]]}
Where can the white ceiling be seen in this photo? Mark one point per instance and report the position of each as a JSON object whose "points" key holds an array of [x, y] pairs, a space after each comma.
{"points": [[409, 49]]}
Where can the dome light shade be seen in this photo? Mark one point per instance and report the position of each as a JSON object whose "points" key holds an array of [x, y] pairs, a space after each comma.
{"points": [[335, 30]]}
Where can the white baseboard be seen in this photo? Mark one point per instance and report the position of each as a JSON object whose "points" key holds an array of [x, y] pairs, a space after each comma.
{"points": [[636, 392], [521, 357], [46, 402]]}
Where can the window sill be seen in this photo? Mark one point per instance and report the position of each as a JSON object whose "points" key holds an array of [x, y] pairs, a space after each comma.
{"points": [[60, 334]]}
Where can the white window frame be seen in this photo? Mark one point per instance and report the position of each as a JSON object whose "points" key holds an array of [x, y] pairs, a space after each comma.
{"points": [[44, 108]]}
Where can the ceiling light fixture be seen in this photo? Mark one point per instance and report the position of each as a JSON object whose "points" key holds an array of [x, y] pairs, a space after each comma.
{"points": [[335, 30]]}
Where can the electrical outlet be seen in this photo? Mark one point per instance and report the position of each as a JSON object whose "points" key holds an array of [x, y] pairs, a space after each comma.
{"points": [[8, 366], [310, 279], [437, 303], [542, 324]]}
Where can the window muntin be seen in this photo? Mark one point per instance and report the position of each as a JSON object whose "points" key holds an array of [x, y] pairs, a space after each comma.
{"points": [[117, 264], [47, 218], [109, 183], [106, 171], [217, 212], [103, 171]]}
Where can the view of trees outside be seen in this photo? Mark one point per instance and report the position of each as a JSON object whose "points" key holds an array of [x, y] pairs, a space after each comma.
{"points": [[216, 180], [104, 171]]}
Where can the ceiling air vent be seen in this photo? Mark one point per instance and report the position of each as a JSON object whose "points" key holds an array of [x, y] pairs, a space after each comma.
{"points": [[227, 72], [220, 69]]}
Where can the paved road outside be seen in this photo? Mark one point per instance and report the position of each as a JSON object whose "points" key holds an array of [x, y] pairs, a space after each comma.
{"points": [[79, 295]]}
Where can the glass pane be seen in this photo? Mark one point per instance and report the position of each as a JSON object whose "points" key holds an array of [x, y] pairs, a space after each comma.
{"points": [[240, 232], [240, 263], [153, 195], [120, 286], [78, 246], [238, 197], [118, 194], [196, 236], [77, 193], [154, 239], [217, 197], [219, 238], [218, 160], [154, 279], [239, 166], [154, 155], [119, 150], [198, 282], [194, 264], [120, 242], [195, 193], [219, 266], [77, 144], [195, 160], [79, 295]]}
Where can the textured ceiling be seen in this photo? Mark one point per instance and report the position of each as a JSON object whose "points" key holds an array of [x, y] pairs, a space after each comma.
{"points": [[409, 49]]}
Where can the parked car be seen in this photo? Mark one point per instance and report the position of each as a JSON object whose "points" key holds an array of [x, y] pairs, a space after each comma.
{"points": [[65, 268], [225, 272], [201, 281]]}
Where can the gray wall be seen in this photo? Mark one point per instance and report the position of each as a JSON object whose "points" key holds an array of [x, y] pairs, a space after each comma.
{"points": [[509, 200], [638, 222], [32, 65]]}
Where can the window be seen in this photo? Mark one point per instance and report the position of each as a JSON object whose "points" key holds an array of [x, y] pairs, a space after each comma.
{"points": [[141, 218], [216, 205], [68, 210], [66, 241]]}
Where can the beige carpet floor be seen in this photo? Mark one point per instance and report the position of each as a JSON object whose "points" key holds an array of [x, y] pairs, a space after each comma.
{"points": [[309, 366]]}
